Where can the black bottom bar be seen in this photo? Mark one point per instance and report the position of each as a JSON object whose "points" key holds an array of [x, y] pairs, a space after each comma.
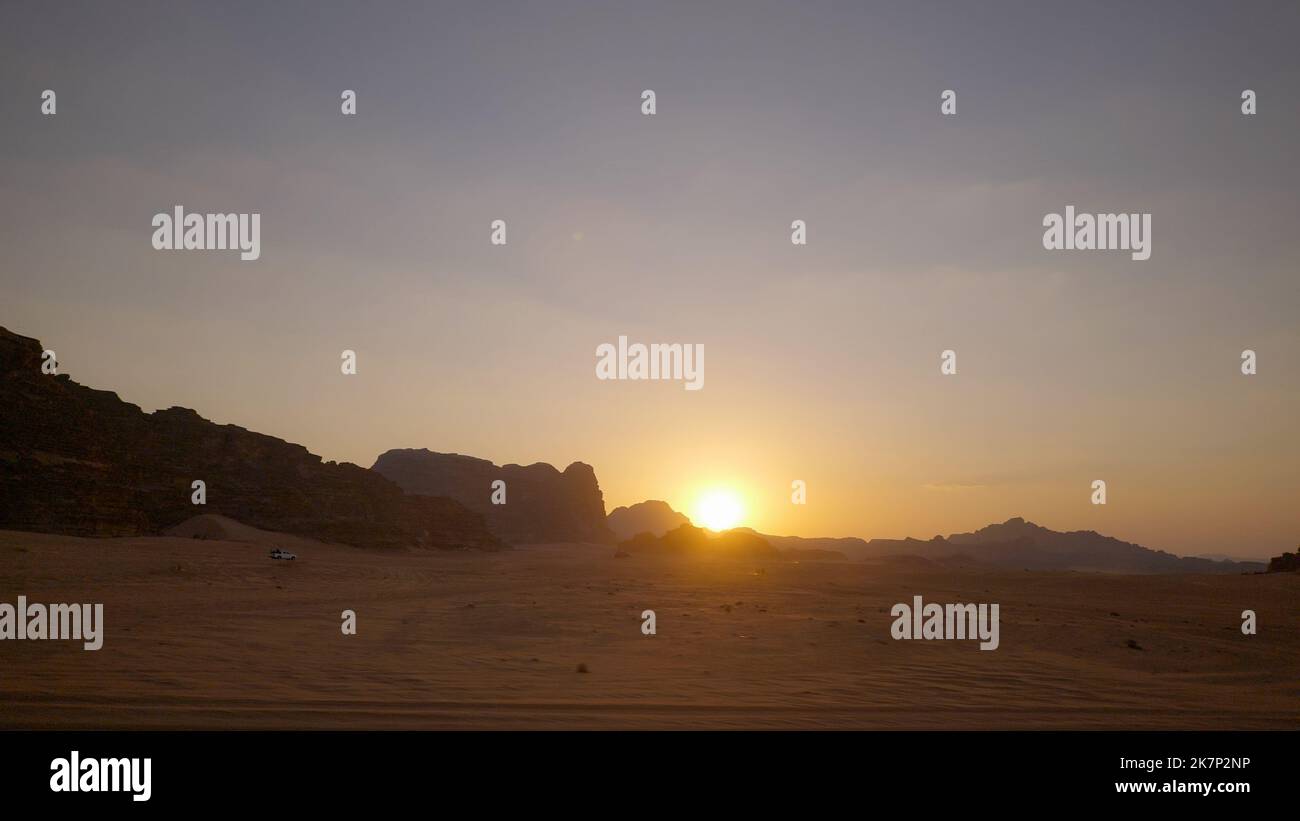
{"points": [[585, 773]]}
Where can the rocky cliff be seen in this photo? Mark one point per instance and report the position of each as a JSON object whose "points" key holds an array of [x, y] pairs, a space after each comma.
{"points": [[83, 462], [542, 504], [1286, 563]]}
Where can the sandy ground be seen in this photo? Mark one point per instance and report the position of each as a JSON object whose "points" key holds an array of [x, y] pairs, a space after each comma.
{"points": [[214, 634]]}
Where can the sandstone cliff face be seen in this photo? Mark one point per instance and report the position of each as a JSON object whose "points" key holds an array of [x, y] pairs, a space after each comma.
{"points": [[83, 462], [542, 504]]}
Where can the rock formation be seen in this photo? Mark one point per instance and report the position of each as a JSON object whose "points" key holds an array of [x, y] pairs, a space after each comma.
{"points": [[1286, 563], [83, 462], [653, 517], [541, 503]]}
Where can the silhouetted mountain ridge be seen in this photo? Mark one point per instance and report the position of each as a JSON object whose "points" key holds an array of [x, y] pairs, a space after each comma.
{"points": [[651, 516], [81, 461], [542, 504], [1019, 543]]}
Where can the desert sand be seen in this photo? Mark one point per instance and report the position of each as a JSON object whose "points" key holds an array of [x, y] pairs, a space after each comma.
{"points": [[211, 633]]}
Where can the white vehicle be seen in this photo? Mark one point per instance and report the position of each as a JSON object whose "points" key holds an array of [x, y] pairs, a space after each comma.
{"points": [[277, 553]]}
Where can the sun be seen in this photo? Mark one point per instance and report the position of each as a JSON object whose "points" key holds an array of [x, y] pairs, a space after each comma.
{"points": [[719, 509]]}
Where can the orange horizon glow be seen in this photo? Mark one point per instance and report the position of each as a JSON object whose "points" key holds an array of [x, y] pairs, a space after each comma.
{"points": [[718, 509]]}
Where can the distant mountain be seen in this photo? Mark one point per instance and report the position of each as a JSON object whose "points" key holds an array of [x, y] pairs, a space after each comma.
{"points": [[1018, 544], [542, 504], [1224, 557], [821, 548], [653, 517], [82, 462], [688, 539]]}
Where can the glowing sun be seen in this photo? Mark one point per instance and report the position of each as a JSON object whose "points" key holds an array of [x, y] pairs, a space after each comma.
{"points": [[718, 510]]}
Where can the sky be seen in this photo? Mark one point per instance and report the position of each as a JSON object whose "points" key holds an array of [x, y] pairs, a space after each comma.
{"points": [[822, 361]]}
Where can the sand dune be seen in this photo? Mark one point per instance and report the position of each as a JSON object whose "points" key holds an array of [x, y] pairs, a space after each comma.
{"points": [[205, 633], [215, 527]]}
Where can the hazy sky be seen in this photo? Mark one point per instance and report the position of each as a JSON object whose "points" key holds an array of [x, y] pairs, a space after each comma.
{"points": [[822, 361]]}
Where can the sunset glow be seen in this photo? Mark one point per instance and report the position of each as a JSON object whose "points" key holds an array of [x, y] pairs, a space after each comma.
{"points": [[719, 509]]}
